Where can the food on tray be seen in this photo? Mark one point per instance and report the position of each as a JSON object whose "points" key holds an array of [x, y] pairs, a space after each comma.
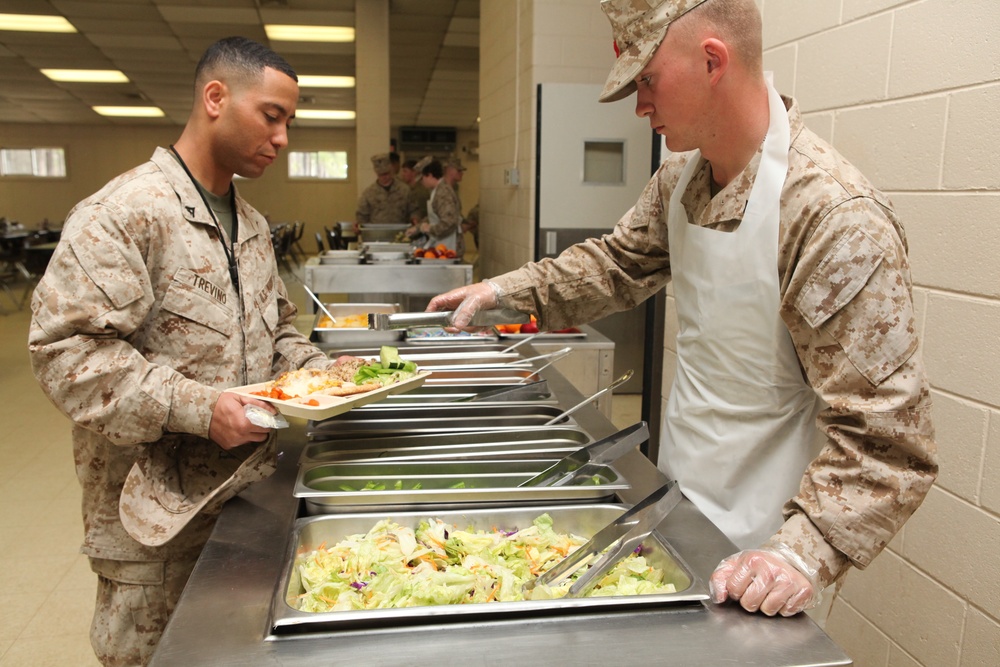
{"points": [[436, 564], [349, 376], [359, 321], [440, 251]]}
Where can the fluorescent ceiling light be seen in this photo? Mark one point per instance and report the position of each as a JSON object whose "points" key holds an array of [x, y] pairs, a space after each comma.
{"points": [[134, 112], [86, 75], [309, 33], [313, 81], [35, 23], [324, 114]]}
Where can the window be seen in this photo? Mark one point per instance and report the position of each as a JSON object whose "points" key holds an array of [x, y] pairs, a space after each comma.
{"points": [[39, 162], [320, 165], [604, 162]]}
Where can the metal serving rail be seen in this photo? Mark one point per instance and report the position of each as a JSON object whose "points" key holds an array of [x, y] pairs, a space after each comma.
{"points": [[223, 615]]}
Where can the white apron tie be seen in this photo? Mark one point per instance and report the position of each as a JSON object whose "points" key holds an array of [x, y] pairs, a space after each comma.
{"points": [[739, 429]]}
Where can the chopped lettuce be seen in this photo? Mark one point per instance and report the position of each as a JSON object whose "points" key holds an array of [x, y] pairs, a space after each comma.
{"points": [[436, 564]]}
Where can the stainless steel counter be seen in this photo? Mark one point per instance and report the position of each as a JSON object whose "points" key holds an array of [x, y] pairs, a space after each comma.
{"points": [[222, 617]]}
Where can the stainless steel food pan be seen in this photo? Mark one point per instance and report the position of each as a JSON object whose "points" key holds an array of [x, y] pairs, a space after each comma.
{"points": [[484, 377], [408, 485], [549, 443], [408, 347], [356, 335], [438, 418], [584, 520]]}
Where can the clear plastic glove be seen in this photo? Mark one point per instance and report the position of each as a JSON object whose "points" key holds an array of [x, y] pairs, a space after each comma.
{"points": [[466, 302], [765, 580]]}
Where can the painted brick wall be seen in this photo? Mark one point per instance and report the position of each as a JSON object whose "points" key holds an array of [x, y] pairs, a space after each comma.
{"points": [[908, 91]]}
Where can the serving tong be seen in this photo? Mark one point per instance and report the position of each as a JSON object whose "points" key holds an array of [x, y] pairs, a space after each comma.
{"points": [[588, 460], [516, 392], [622, 535]]}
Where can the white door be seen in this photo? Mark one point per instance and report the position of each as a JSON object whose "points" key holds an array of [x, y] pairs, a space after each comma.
{"points": [[593, 162]]}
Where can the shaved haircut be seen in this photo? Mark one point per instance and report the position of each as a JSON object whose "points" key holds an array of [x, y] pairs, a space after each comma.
{"points": [[238, 60], [737, 22]]}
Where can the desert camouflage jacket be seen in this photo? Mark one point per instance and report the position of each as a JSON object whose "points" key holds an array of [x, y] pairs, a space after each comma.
{"points": [[385, 206], [137, 328], [846, 300]]}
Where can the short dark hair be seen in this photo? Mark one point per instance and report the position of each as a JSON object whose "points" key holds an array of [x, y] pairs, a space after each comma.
{"points": [[434, 169], [239, 58], [394, 157], [410, 164]]}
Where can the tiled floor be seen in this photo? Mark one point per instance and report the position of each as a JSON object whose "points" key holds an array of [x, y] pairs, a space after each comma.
{"points": [[46, 587]]}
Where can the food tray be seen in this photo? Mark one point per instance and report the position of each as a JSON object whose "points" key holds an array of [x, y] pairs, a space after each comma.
{"points": [[515, 444], [584, 520], [439, 337], [357, 335], [330, 406], [546, 335], [331, 488], [438, 260], [454, 418]]}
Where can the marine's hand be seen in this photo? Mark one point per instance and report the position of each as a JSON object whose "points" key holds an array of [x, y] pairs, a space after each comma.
{"points": [[230, 427], [465, 301], [762, 580]]}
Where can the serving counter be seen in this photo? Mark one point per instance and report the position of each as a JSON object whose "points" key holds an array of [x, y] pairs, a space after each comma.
{"points": [[223, 617], [407, 280]]}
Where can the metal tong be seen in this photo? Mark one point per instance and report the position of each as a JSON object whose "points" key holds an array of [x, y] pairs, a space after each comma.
{"points": [[593, 397], [588, 460], [516, 392], [442, 318], [623, 535]]}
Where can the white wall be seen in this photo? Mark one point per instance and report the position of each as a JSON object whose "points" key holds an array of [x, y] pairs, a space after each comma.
{"points": [[908, 90]]}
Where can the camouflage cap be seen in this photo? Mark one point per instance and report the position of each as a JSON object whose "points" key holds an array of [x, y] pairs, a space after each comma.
{"points": [[454, 163], [638, 27], [424, 161], [179, 478], [382, 163]]}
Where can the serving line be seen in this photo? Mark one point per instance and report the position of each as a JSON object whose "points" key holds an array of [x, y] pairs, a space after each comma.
{"points": [[223, 617]]}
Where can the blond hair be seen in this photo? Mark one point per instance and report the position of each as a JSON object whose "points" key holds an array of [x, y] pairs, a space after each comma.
{"points": [[737, 23]]}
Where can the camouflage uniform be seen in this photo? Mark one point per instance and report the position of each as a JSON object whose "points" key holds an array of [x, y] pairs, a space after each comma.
{"points": [[385, 206], [448, 208], [846, 300], [419, 196], [136, 330]]}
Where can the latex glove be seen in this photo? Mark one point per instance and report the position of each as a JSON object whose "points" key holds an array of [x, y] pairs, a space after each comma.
{"points": [[230, 427], [764, 580], [466, 302]]}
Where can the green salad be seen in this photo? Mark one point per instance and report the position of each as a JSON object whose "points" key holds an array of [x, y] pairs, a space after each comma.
{"points": [[395, 566], [389, 369]]}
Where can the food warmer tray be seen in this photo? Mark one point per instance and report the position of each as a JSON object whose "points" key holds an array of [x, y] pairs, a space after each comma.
{"points": [[329, 488], [440, 418], [584, 520], [356, 335], [548, 443]]}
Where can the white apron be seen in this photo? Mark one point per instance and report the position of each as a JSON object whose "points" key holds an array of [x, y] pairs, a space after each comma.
{"points": [[450, 240], [739, 429]]}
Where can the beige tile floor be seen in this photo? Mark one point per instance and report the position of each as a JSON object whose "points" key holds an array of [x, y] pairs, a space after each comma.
{"points": [[46, 587]]}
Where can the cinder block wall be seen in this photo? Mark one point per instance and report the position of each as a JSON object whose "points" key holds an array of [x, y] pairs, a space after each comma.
{"points": [[909, 91]]}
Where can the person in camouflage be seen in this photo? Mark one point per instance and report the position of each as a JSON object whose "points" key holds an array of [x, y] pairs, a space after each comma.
{"points": [[817, 259], [387, 200], [443, 225], [162, 293], [418, 193]]}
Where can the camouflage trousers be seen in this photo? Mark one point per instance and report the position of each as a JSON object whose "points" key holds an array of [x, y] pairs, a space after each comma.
{"points": [[134, 602]]}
